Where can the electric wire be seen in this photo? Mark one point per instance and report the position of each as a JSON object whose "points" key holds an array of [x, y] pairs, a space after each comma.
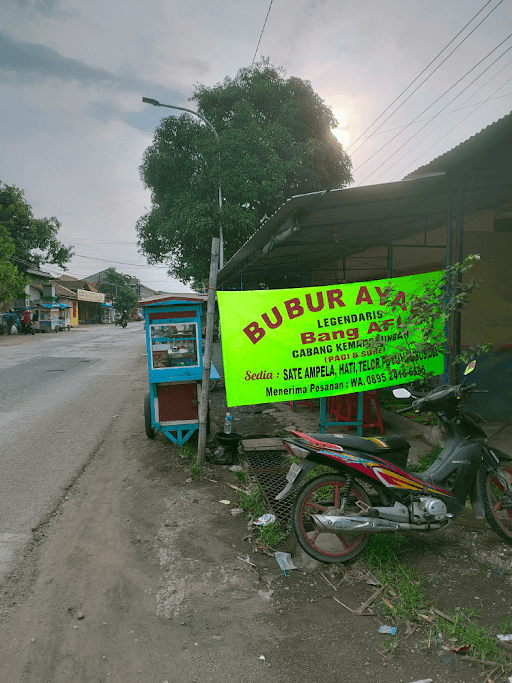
{"points": [[447, 133], [102, 206], [426, 79], [477, 106], [453, 111], [261, 34], [443, 122], [427, 108]]}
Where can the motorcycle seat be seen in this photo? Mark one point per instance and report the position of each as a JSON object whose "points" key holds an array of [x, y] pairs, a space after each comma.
{"points": [[392, 448]]}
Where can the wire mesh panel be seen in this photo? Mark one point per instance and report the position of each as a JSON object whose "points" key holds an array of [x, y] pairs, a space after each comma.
{"points": [[269, 468]]}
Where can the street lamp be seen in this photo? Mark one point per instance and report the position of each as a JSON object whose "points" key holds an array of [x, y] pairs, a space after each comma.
{"points": [[156, 103]]}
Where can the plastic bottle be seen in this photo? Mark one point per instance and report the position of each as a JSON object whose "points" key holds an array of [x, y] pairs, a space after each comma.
{"points": [[227, 422]]}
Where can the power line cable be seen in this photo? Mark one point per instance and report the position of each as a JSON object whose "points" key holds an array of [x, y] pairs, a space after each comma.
{"points": [[121, 263], [453, 111], [429, 106], [451, 129], [261, 34], [447, 105], [426, 79], [102, 206]]}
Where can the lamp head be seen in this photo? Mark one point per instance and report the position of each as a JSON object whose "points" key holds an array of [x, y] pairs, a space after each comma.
{"points": [[148, 100]]}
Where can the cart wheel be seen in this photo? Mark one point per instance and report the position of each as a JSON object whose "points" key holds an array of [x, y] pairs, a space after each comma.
{"points": [[150, 432]]}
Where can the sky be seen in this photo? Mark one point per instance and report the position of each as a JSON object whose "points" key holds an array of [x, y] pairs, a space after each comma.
{"points": [[73, 128]]}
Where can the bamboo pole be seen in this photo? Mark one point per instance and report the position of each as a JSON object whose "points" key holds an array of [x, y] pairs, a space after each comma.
{"points": [[207, 359]]}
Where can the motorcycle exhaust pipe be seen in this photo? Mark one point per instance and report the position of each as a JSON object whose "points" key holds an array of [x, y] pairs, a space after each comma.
{"points": [[333, 524]]}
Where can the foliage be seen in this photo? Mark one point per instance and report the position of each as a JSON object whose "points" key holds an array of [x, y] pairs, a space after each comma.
{"points": [[253, 502], [12, 282], [117, 285], [425, 461], [241, 476], [408, 597], [35, 239], [422, 321], [275, 140], [272, 534]]}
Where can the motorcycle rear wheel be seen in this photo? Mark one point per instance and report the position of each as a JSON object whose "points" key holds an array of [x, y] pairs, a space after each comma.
{"points": [[499, 518], [323, 493]]}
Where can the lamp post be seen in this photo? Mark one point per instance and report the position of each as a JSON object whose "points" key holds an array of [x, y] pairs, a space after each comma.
{"points": [[156, 103]]}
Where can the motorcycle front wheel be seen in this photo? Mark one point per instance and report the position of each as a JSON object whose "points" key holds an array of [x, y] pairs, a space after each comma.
{"points": [[323, 496], [499, 517]]}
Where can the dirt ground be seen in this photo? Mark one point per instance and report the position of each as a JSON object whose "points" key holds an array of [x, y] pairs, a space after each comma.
{"points": [[139, 575]]}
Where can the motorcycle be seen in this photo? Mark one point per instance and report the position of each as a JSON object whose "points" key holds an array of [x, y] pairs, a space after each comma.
{"points": [[121, 321], [371, 491], [12, 321], [27, 328]]}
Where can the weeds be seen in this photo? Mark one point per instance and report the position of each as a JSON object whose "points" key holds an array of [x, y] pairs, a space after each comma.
{"points": [[408, 602], [186, 452], [253, 502], [425, 461], [241, 476], [195, 471], [272, 534]]}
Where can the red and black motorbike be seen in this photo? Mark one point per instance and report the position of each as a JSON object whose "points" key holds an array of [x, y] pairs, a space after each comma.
{"points": [[371, 491]]}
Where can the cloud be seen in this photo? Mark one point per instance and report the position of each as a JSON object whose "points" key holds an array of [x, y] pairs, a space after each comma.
{"points": [[28, 63], [47, 8]]}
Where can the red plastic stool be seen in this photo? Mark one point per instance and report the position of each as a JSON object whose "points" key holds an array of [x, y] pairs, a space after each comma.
{"points": [[349, 411], [308, 403]]}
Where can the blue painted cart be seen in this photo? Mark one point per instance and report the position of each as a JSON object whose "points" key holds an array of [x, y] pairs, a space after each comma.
{"points": [[175, 365]]}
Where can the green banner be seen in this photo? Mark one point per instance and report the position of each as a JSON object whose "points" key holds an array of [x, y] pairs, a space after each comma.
{"points": [[292, 344]]}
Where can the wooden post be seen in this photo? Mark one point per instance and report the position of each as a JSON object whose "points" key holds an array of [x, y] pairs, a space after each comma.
{"points": [[207, 360]]}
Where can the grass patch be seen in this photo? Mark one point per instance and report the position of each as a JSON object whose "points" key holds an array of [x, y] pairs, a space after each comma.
{"points": [[186, 452], [408, 600], [253, 502], [426, 460], [272, 534], [241, 476]]}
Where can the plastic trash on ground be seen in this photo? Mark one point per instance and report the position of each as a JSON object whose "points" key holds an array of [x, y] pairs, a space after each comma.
{"points": [[265, 519], [388, 629], [285, 560], [506, 637]]}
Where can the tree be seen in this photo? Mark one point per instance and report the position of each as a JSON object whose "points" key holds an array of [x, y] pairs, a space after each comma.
{"points": [[12, 282], [35, 239], [276, 140], [117, 285], [422, 321]]}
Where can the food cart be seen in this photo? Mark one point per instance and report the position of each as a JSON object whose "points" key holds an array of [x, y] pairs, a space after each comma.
{"points": [[175, 365], [48, 318], [64, 316]]}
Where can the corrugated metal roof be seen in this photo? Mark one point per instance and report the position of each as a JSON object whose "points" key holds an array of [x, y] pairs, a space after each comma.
{"points": [[315, 229], [319, 227], [473, 146]]}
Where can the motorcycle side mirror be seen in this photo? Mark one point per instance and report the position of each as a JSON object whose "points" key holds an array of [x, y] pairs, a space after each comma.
{"points": [[470, 367], [401, 393]]}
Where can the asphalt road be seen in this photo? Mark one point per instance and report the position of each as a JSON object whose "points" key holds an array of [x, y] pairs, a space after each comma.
{"points": [[60, 395]]}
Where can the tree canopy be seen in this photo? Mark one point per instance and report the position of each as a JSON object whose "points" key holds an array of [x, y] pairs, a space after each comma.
{"points": [[25, 240], [35, 239], [117, 285], [12, 281], [275, 141]]}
